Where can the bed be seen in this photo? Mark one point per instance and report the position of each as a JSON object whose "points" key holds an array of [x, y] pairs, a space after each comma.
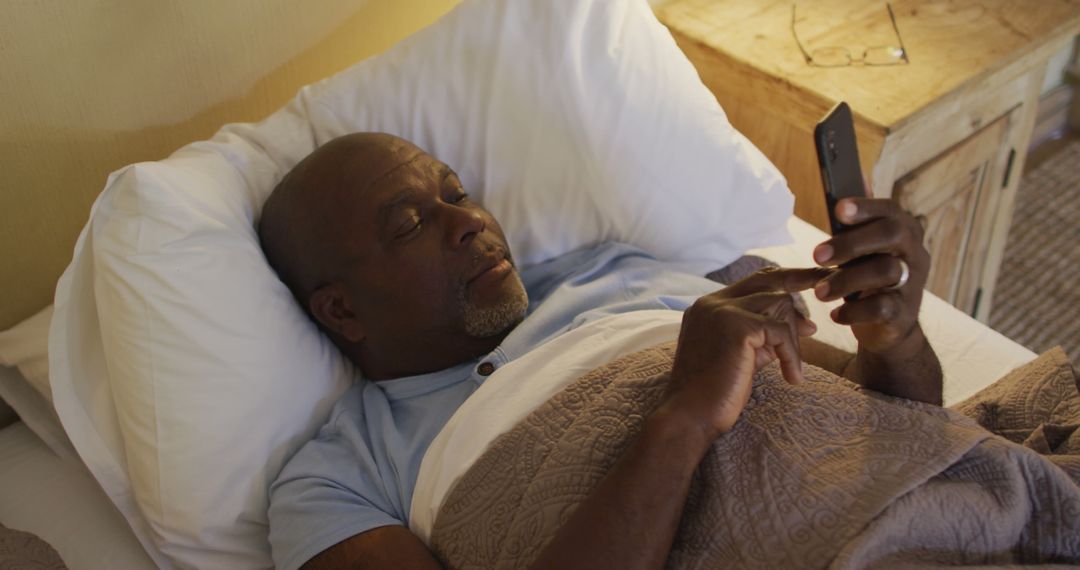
{"points": [[101, 490], [60, 502]]}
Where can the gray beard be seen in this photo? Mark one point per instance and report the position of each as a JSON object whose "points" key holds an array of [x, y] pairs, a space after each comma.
{"points": [[486, 322]]}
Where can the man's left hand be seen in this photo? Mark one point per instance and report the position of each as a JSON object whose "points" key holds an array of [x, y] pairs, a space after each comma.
{"points": [[869, 256]]}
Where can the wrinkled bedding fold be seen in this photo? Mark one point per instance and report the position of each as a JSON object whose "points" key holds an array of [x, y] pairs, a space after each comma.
{"points": [[817, 475]]}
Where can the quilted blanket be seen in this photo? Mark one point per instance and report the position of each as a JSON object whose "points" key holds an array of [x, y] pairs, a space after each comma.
{"points": [[822, 474], [21, 550]]}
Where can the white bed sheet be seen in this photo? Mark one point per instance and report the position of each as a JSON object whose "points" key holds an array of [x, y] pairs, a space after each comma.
{"points": [[60, 502]]}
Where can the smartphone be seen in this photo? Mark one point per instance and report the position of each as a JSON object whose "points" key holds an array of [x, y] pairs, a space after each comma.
{"points": [[838, 159]]}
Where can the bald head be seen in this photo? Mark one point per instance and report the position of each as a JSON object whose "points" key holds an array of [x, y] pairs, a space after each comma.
{"points": [[380, 244], [301, 226]]}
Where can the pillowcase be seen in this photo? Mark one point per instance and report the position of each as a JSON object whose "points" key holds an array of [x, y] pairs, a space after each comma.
{"points": [[199, 375]]}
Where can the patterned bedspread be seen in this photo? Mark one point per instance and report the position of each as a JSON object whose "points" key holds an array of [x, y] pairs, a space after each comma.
{"points": [[816, 475], [24, 551]]}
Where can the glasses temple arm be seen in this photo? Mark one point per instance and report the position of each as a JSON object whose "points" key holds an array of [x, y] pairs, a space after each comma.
{"points": [[892, 18], [796, 36]]}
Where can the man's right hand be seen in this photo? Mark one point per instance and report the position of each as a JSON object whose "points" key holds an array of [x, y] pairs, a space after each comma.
{"points": [[727, 336]]}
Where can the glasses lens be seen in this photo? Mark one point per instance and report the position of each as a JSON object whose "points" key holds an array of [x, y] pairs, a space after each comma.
{"points": [[831, 57], [884, 55]]}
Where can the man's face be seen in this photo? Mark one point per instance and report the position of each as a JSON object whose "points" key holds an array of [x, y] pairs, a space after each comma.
{"points": [[421, 262]]}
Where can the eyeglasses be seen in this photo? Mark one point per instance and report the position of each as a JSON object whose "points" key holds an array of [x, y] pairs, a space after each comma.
{"points": [[840, 56]]}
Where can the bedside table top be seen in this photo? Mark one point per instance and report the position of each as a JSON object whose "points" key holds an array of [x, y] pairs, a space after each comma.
{"points": [[950, 44]]}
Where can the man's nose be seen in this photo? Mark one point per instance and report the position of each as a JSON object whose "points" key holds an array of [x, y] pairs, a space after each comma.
{"points": [[465, 224]]}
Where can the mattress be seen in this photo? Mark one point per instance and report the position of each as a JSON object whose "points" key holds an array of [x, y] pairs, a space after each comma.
{"points": [[60, 502]]}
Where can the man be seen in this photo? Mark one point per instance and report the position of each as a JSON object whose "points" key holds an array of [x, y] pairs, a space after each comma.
{"points": [[416, 285]]}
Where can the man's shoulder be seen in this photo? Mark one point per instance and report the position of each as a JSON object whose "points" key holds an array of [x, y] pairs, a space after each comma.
{"points": [[348, 407], [343, 437], [367, 415], [334, 432]]}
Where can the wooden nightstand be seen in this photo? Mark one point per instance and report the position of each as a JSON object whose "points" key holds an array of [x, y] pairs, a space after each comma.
{"points": [[945, 134]]}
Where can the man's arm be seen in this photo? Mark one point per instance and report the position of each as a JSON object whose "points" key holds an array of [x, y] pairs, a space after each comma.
{"points": [[913, 372], [384, 547], [630, 518]]}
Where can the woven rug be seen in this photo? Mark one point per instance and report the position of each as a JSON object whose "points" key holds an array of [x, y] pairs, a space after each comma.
{"points": [[1037, 297]]}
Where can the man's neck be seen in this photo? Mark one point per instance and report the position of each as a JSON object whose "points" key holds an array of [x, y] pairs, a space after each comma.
{"points": [[420, 357]]}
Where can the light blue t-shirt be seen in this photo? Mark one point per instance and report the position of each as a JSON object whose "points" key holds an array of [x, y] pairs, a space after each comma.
{"points": [[359, 471]]}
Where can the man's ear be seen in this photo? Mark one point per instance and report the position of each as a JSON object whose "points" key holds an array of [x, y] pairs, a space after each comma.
{"points": [[330, 305]]}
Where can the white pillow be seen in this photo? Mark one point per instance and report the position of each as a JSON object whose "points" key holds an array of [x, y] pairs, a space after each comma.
{"points": [[198, 375]]}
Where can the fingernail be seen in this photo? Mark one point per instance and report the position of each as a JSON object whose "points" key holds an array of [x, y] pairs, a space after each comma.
{"points": [[848, 210], [835, 313], [822, 290], [823, 253]]}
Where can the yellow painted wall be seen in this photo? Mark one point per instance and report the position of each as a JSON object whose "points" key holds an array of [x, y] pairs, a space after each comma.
{"points": [[88, 86]]}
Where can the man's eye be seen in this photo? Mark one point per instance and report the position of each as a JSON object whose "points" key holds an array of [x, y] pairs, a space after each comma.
{"points": [[461, 197], [408, 227]]}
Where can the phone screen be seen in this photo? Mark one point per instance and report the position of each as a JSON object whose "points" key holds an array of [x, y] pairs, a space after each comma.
{"points": [[838, 159]]}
